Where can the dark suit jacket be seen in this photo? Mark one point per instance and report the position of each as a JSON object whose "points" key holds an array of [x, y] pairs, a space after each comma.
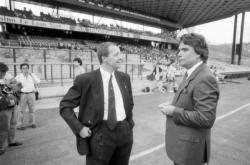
{"points": [[87, 92], [188, 130]]}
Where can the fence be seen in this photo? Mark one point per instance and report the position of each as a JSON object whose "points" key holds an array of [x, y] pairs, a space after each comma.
{"points": [[55, 65]]}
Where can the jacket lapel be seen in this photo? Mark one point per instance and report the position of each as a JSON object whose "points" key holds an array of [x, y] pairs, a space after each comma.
{"points": [[99, 93], [184, 84]]}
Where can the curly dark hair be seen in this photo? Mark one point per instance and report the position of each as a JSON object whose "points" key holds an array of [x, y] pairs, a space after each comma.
{"points": [[78, 60], [198, 42], [24, 64]]}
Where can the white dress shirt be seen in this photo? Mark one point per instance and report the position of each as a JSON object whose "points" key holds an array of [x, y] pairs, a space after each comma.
{"points": [[192, 69], [119, 105], [28, 82]]}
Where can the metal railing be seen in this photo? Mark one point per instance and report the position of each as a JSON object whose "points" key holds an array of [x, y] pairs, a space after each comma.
{"points": [[51, 73], [54, 66]]}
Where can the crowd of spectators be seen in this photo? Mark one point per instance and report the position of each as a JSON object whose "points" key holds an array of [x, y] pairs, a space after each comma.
{"points": [[24, 14], [147, 52], [5, 11], [27, 14], [50, 18]]}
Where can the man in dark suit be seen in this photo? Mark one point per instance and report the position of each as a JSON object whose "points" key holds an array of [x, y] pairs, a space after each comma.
{"points": [[104, 125], [192, 112]]}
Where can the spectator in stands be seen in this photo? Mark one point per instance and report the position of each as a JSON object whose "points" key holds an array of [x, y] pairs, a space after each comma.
{"points": [[157, 71], [29, 82], [192, 112], [8, 115], [78, 68], [104, 125]]}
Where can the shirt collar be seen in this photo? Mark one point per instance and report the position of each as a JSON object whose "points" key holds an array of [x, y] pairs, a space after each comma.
{"points": [[105, 74], [191, 70]]}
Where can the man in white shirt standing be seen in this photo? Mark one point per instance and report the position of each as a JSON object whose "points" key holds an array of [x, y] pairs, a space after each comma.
{"points": [[29, 81]]}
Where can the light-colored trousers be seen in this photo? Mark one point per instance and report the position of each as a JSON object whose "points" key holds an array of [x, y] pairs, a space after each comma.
{"points": [[8, 121], [27, 100]]}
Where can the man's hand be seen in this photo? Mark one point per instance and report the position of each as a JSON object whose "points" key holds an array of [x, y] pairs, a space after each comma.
{"points": [[85, 132], [162, 105], [167, 109]]}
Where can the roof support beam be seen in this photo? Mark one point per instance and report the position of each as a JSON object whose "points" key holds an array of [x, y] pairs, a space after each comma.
{"points": [[10, 5], [234, 38], [241, 37]]}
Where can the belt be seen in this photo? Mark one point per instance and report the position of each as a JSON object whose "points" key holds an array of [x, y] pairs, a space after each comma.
{"points": [[117, 123], [27, 92], [99, 125]]}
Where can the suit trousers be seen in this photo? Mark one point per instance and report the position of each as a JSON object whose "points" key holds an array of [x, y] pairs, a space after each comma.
{"points": [[110, 147], [8, 120]]}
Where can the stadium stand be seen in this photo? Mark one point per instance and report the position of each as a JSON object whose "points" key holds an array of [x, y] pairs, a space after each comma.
{"points": [[18, 35], [22, 36], [5, 11], [85, 23], [24, 14]]}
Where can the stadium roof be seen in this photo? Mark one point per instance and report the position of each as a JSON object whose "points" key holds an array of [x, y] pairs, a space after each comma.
{"points": [[187, 13], [171, 14]]}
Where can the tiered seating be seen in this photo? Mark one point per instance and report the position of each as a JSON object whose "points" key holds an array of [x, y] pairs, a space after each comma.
{"points": [[48, 17], [86, 23], [27, 41], [47, 42], [12, 41], [69, 21], [24, 14], [63, 20], [36, 41], [5, 11], [92, 45]]}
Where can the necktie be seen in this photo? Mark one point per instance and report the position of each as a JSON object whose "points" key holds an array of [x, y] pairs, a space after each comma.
{"points": [[111, 106]]}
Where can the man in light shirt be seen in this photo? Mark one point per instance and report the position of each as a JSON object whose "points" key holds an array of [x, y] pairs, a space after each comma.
{"points": [[192, 112], [104, 125], [29, 82]]}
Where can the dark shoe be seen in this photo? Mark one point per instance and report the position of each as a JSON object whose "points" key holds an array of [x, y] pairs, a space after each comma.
{"points": [[2, 152], [15, 144], [21, 128], [33, 126]]}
